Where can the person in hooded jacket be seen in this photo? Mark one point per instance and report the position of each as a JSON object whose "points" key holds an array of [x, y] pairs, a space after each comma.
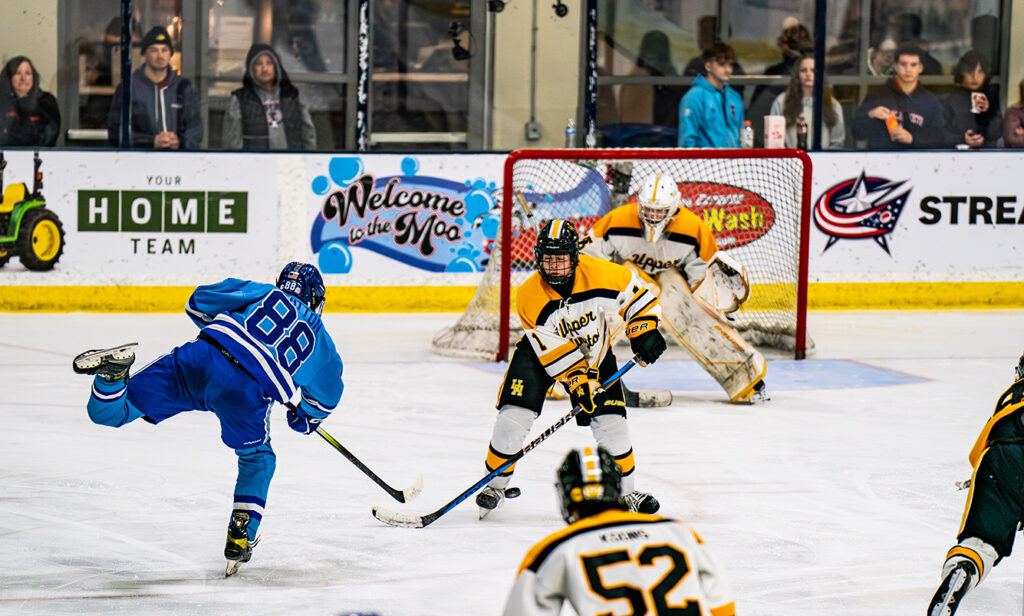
{"points": [[711, 113], [165, 110], [28, 116], [266, 113]]}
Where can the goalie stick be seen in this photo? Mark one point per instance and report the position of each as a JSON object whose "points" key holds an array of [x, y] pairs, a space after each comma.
{"points": [[392, 518], [402, 496]]}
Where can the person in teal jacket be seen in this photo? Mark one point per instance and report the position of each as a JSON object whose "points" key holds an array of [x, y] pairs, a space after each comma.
{"points": [[711, 113]]}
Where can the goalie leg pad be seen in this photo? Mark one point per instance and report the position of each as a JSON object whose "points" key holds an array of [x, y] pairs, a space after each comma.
{"points": [[710, 339]]}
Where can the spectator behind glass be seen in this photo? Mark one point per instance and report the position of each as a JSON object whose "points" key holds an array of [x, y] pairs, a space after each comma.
{"points": [[652, 104], [707, 35], [793, 42], [909, 28], [28, 116], [880, 58], [165, 111], [902, 114], [1013, 128], [711, 113], [266, 113], [972, 114], [797, 101]]}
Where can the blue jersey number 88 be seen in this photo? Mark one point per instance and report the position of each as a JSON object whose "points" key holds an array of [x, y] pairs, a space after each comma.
{"points": [[275, 323]]}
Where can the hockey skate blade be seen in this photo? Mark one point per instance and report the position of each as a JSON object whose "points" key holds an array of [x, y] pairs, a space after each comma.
{"points": [[509, 493], [92, 359], [232, 568], [413, 491], [392, 518]]}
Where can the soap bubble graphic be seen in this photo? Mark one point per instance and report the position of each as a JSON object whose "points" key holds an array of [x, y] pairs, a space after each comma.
{"points": [[335, 258], [410, 166], [345, 169], [321, 185]]}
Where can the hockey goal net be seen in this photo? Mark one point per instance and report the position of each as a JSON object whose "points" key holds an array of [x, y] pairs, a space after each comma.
{"points": [[756, 202]]}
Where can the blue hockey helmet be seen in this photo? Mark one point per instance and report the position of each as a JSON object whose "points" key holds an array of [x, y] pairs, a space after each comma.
{"points": [[304, 282]]}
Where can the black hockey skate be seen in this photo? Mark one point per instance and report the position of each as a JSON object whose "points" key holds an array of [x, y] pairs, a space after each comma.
{"points": [[952, 589], [110, 364], [238, 548], [641, 502], [490, 498]]}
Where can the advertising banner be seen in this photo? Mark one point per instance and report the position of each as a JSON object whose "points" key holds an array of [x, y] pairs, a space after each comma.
{"points": [[137, 218], [919, 217], [388, 215]]}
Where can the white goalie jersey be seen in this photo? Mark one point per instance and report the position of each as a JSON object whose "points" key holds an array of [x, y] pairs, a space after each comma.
{"points": [[618, 562]]}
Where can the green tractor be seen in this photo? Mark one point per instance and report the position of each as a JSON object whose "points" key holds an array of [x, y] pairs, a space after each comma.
{"points": [[28, 229]]}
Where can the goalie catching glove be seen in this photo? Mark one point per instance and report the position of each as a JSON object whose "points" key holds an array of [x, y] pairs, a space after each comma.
{"points": [[585, 390], [646, 341], [302, 422]]}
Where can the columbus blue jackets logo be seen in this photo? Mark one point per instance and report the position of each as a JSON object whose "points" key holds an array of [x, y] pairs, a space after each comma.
{"points": [[861, 208]]}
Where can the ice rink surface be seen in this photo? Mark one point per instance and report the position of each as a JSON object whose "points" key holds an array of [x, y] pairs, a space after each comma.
{"points": [[835, 498]]}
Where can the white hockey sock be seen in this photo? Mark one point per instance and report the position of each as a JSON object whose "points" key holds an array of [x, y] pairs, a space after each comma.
{"points": [[612, 433], [972, 549], [510, 429]]}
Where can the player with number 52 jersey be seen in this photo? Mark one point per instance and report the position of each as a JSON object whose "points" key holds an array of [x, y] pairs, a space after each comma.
{"points": [[258, 344], [609, 560]]}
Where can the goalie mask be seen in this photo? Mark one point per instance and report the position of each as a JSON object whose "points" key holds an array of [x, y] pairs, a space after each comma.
{"points": [[304, 282], [588, 482], [557, 239], [658, 203]]}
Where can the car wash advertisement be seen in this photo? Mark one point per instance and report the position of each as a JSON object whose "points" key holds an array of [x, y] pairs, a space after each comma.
{"points": [[136, 218], [920, 217], [380, 215]]}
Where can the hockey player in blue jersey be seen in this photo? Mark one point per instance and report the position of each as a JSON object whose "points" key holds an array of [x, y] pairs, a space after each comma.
{"points": [[258, 344]]}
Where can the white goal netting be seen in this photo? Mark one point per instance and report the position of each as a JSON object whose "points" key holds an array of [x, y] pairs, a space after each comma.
{"points": [[753, 200]]}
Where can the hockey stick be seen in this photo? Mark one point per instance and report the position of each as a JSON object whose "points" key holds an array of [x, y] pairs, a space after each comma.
{"points": [[402, 496], [408, 521]]}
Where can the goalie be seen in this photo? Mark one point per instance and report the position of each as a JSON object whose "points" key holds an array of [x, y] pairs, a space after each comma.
{"points": [[673, 250]]}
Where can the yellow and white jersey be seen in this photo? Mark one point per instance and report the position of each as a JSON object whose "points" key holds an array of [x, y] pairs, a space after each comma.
{"points": [[555, 326], [618, 562], [687, 243]]}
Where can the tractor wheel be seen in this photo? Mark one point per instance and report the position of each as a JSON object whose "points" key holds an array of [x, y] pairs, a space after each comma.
{"points": [[40, 240]]}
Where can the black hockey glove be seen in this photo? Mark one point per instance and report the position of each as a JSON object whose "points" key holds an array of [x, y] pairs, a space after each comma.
{"points": [[302, 422], [648, 346], [585, 390]]}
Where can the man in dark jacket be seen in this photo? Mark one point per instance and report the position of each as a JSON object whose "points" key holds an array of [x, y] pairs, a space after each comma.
{"points": [[266, 113], [28, 116], [902, 114], [165, 110]]}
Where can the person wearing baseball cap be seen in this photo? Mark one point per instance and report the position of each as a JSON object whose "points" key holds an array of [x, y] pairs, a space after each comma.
{"points": [[165, 109]]}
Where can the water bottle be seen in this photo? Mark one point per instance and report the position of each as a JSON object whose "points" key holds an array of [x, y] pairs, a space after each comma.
{"points": [[801, 134], [570, 134], [747, 135]]}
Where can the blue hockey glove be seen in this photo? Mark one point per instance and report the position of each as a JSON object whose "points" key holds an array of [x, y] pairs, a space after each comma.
{"points": [[302, 422], [585, 390]]}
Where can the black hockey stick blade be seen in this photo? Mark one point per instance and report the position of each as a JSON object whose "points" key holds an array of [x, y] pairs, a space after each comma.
{"points": [[402, 520], [402, 496]]}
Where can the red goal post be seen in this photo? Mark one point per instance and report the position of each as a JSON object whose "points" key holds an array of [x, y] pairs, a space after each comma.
{"points": [[757, 203]]}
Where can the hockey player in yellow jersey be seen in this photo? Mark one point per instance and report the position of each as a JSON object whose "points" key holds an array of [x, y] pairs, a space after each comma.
{"points": [[612, 561], [563, 308], [676, 255], [995, 503]]}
